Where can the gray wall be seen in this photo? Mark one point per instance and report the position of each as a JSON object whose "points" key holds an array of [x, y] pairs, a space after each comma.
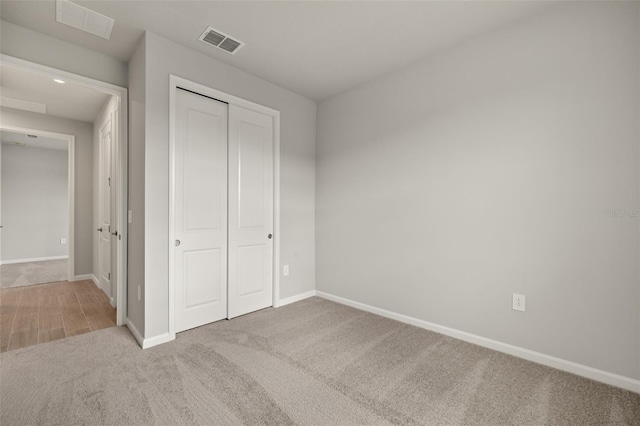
{"points": [[42, 49], [298, 133], [83, 132], [136, 259], [489, 169], [35, 203]]}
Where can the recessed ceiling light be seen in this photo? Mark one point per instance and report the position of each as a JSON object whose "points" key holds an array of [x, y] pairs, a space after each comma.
{"points": [[57, 80]]}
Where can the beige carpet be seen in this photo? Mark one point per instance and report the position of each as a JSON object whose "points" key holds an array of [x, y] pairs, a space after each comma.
{"points": [[30, 273], [311, 363]]}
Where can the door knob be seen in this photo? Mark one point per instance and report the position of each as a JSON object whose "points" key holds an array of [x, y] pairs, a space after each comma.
{"points": [[269, 236], [177, 243], [99, 229]]}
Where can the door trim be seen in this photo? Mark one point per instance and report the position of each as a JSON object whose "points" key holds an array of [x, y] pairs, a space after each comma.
{"points": [[71, 185], [122, 150], [174, 83]]}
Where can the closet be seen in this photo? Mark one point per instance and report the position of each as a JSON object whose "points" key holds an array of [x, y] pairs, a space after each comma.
{"points": [[223, 209]]}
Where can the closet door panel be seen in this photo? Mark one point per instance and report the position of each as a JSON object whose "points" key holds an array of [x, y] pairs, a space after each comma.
{"points": [[200, 269], [250, 211]]}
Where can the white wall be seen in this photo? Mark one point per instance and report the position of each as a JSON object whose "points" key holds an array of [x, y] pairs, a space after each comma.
{"points": [[488, 169], [83, 132], [298, 116], [42, 49], [35, 202]]}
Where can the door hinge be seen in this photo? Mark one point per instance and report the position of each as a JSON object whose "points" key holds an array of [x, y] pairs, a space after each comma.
{"points": [[109, 181], [109, 275]]}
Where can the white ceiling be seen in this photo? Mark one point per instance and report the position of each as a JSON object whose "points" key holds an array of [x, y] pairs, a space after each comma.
{"points": [[62, 100], [13, 138], [315, 48]]}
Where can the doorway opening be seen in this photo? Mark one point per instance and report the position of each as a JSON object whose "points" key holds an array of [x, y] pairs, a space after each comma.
{"points": [[36, 207], [89, 118]]}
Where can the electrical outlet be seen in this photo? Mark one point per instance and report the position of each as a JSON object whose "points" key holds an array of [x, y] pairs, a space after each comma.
{"points": [[63, 241], [139, 293], [285, 270], [518, 302]]}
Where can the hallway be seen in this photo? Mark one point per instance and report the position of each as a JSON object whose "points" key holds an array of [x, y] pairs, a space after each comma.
{"points": [[43, 313]]}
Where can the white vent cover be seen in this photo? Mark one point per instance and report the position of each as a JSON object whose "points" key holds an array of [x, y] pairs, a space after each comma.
{"points": [[221, 40], [84, 19]]}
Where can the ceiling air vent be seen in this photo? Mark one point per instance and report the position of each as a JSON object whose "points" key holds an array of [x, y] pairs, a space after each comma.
{"points": [[221, 40], [84, 19]]}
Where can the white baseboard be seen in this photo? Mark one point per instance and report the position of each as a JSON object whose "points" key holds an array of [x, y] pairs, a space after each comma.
{"points": [[87, 277], [296, 298], [81, 277], [33, 259], [537, 357], [158, 340], [134, 331], [152, 341]]}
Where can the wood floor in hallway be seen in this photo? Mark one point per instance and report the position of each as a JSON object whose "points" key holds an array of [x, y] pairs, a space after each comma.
{"points": [[42, 313]]}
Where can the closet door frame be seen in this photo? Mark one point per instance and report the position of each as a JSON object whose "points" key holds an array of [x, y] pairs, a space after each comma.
{"points": [[174, 83]]}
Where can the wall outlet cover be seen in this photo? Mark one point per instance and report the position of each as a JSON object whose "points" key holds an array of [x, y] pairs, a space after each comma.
{"points": [[285, 270], [518, 302]]}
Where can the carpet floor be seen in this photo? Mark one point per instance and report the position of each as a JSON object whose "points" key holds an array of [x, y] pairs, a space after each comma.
{"points": [[314, 362], [30, 273]]}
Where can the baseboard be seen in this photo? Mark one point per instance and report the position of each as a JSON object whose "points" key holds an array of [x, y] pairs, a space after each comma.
{"points": [[150, 342], [87, 277], [537, 357], [296, 298], [136, 334], [81, 277], [34, 259], [158, 340]]}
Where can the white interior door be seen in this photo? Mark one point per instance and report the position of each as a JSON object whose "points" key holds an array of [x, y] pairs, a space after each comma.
{"points": [[104, 214], [0, 202], [250, 211], [113, 191], [200, 210]]}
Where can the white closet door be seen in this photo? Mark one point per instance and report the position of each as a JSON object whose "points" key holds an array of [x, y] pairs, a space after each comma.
{"points": [[250, 211], [200, 210]]}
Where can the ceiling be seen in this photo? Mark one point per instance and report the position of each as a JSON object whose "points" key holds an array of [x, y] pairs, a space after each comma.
{"points": [[314, 48], [8, 137], [62, 100]]}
